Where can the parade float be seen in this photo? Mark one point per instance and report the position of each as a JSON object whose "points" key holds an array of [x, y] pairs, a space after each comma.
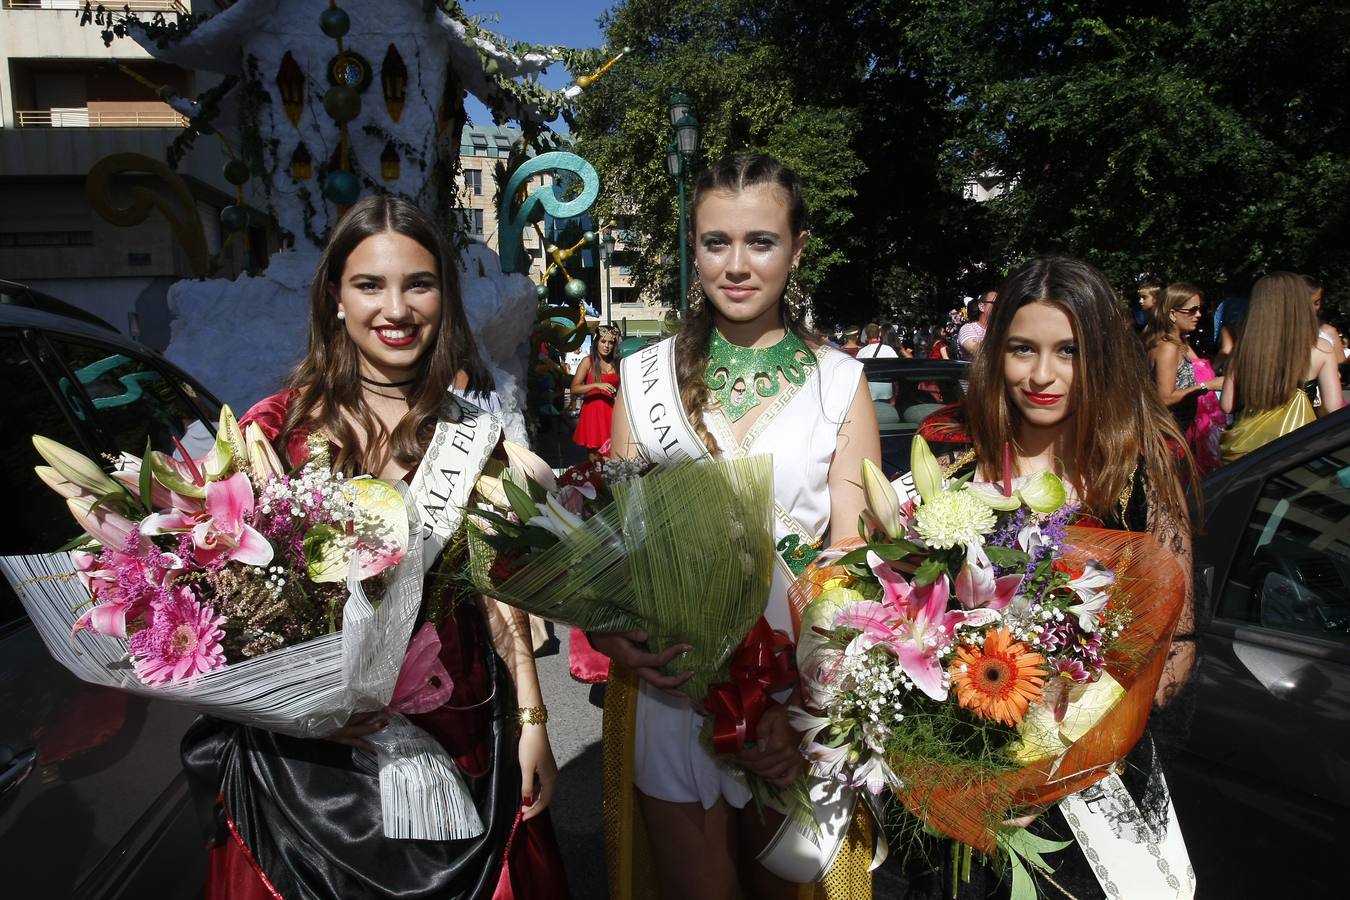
{"points": [[319, 103]]}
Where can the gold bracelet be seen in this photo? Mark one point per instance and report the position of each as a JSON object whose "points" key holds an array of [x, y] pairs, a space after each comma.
{"points": [[532, 715]]}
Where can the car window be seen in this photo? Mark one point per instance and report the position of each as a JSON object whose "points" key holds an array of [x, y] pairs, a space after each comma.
{"points": [[904, 399], [132, 398], [38, 520], [1292, 568]]}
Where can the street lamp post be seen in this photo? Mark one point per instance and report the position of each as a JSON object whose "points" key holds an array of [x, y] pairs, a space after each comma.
{"points": [[679, 155], [606, 253]]}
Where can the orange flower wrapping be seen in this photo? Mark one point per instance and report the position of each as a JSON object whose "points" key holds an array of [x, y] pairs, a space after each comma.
{"points": [[967, 803]]}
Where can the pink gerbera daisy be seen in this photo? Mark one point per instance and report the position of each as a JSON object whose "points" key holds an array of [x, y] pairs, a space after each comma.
{"points": [[181, 641]]}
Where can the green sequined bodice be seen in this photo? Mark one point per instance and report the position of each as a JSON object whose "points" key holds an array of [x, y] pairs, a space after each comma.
{"points": [[739, 376]]}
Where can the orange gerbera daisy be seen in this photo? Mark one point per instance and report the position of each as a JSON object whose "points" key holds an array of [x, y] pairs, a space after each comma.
{"points": [[999, 680]]}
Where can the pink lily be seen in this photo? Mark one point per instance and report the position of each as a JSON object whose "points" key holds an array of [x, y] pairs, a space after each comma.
{"points": [[977, 588], [127, 472], [109, 618], [926, 627], [217, 525], [104, 525], [423, 682]]}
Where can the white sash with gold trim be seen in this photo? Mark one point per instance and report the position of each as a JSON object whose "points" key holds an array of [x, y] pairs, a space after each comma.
{"points": [[663, 432]]}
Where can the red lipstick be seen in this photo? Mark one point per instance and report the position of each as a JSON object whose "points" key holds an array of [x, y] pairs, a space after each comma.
{"points": [[1042, 399]]}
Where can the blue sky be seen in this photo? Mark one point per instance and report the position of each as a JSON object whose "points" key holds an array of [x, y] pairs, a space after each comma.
{"points": [[571, 23]]}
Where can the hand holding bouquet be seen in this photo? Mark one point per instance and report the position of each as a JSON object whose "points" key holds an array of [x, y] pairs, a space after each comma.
{"points": [[981, 652]]}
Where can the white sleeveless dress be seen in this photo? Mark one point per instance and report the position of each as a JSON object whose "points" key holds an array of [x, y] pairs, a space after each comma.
{"points": [[670, 762]]}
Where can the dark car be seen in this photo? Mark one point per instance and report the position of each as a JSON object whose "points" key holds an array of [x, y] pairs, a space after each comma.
{"points": [[1262, 781], [92, 798], [904, 393]]}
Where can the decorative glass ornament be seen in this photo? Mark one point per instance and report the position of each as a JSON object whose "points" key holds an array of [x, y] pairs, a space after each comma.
{"points": [[575, 289], [334, 22], [236, 172], [342, 103], [234, 218], [342, 188]]}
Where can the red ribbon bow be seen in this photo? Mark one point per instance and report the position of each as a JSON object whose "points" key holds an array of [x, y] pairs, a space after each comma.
{"points": [[764, 662]]}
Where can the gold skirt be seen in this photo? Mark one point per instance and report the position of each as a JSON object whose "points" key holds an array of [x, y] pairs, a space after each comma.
{"points": [[627, 850]]}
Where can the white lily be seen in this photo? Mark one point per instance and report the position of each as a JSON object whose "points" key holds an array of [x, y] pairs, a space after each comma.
{"points": [[882, 501], [875, 775], [807, 723], [827, 762], [74, 467], [263, 462], [1090, 588], [554, 518], [925, 469], [490, 489], [526, 466]]}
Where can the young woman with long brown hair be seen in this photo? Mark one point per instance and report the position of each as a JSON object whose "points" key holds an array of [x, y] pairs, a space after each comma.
{"points": [[1061, 385], [390, 361], [1277, 361], [745, 375]]}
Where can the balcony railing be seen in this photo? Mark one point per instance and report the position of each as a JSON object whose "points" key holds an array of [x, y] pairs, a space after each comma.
{"points": [[136, 5], [97, 118]]}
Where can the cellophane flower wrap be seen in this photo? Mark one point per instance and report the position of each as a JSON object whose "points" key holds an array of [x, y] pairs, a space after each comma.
{"points": [[280, 600], [683, 552], [980, 650]]}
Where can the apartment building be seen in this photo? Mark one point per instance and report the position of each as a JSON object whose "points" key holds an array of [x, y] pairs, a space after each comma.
{"points": [[66, 102]]}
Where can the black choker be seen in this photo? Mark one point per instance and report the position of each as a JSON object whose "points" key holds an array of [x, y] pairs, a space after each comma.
{"points": [[387, 384]]}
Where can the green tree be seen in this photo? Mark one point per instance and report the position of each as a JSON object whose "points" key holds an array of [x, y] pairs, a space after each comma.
{"points": [[1197, 140]]}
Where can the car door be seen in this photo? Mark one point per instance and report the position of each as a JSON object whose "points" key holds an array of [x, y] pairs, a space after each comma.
{"points": [[1270, 739], [903, 395], [103, 806]]}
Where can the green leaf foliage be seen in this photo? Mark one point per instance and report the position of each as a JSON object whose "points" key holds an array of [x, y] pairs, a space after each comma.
{"points": [[1203, 141]]}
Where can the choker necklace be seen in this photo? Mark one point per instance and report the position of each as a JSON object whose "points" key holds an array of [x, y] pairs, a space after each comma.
{"points": [[739, 376], [389, 384]]}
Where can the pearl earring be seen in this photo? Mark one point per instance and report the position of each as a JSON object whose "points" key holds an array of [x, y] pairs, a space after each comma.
{"points": [[341, 314]]}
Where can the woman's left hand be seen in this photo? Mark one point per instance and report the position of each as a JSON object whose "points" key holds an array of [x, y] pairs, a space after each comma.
{"points": [[776, 756], [538, 770]]}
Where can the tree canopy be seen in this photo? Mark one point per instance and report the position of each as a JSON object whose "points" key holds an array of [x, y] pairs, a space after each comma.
{"points": [[1203, 140]]}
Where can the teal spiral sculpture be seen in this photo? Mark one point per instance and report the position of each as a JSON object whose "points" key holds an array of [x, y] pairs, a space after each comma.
{"points": [[512, 219]]}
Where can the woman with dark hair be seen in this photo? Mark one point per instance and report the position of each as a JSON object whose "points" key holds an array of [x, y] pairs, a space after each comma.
{"points": [[1061, 385], [1183, 378], [745, 375], [391, 363], [1276, 365], [596, 382]]}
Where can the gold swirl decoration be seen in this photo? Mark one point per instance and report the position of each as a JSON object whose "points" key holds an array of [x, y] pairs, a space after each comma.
{"points": [[182, 217]]}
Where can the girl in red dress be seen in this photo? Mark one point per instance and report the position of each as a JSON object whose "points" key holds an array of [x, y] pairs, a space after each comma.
{"points": [[596, 383]]}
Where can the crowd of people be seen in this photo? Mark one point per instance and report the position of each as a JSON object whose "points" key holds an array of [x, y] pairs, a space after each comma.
{"points": [[1059, 380], [1289, 357]]}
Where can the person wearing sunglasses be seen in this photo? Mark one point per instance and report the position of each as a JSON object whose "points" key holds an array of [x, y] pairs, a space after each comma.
{"points": [[1184, 379]]}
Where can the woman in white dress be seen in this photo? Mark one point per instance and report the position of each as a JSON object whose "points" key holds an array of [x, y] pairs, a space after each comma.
{"points": [[744, 376]]}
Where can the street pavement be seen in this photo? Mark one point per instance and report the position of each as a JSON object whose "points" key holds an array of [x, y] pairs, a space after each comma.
{"points": [[574, 730]]}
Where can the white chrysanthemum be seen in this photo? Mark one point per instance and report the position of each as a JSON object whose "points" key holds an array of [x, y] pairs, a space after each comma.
{"points": [[952, 519]]}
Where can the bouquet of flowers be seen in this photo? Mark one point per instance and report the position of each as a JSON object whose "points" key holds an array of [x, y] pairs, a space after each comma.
{"points": [[282, 600], [683, 552], [981, 652]]}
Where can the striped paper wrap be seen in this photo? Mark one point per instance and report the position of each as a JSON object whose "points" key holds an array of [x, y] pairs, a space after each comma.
{"points": [[309, 690]]}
